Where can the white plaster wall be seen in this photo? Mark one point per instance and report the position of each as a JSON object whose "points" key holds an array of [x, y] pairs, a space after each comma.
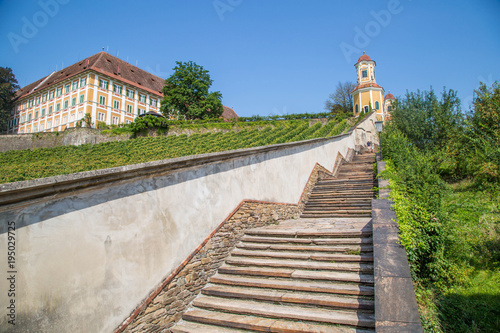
{"points": [[86, 261]]}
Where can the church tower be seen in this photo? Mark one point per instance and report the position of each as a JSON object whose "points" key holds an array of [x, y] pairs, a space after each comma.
{"points": [[367, 94]]}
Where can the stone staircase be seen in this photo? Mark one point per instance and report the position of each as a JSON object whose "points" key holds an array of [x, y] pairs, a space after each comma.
{"points": [[347, 195], [304, 275]]}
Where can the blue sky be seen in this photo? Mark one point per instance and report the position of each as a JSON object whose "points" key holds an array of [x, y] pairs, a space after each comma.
{"points": [[265, 56]]}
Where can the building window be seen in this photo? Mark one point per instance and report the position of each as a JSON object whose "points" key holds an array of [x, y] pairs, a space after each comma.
{"points": [[44, 98], [65, 119], [43, 112], [75, 85], [389, 108], [66, 104], [58, 107], [50, 109], [80, 114], [141, 111], [72, 117], [129, 108], [142, 98], [42, 127], [100, 116], [57, 122], [51, 94], [115, 120], [377, 105], [73, 101], [59, 91], [117, 89], [152, 101], [364, 73], [66, 90], [366, 108], [83, 82], [103, 84], [102, 100], [36, 114], [49, 124], [30, 104], [81, 99], [130, 93], [35, 128], [37, 100], [357, 108], [116, 105]]}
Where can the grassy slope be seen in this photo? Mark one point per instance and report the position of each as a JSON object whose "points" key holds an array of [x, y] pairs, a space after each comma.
{"points": [[46, 162], [472, 302]]}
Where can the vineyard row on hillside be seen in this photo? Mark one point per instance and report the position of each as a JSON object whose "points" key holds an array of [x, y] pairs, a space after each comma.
{"points": [[46, 162]]}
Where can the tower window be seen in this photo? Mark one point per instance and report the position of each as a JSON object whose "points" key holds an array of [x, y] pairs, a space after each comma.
{"points": [[377, 105], [357, 108], [364, 73], [366, 109]]}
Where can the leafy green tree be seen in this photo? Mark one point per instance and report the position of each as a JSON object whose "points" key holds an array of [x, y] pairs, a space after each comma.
{"points": [[340, 103], [187, 96], [427, 122], [8, 87]]}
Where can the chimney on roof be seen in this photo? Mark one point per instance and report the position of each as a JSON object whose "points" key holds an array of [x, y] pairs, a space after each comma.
{"points": [[86, 63], [119, 70]]}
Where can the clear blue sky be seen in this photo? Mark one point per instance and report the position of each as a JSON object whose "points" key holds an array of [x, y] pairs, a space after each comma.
{"points": [[265, 56]]}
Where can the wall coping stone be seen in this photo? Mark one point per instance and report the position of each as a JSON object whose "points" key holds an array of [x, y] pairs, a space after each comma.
{"points": [[395, 302]]}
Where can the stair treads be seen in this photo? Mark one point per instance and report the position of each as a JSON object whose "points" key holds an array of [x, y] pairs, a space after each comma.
{"points": [[308, 233], [317, 241], [280, 247], [298, 274], [253, 323], [303, 255], [263, 309], [301, 298], [298, 285]]}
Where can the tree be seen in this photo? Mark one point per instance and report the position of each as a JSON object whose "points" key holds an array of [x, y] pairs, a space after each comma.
{"points": [[186, 94], [8, 87], [340, 102]]}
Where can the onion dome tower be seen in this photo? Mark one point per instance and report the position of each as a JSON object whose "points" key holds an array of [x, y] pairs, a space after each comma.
{"points": [[367, 94]]}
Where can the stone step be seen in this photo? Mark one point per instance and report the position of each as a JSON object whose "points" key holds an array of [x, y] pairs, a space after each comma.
{"points": [[315, 248], [341, 200], [308, 233], [295, 285], [272, 295], [303, 255], [194, 327], [316, 241], [338, 211], [236, 322], [342, 266], [319, 216], [321, 205], [298, 274], [263, 309]]}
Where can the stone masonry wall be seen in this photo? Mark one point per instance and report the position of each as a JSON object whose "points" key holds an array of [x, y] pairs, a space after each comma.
{"points": [[165, 306], [72, 136]]}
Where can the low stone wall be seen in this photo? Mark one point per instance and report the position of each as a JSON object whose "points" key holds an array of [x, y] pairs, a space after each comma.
{"points": [[69, 137], [395, 302]]}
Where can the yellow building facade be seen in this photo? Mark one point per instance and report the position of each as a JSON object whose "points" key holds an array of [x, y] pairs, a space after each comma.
{"points": [[109, 89], [367, 95]]}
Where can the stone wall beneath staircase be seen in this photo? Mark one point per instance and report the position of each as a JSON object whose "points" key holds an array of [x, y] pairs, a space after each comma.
{"points": [[173, 296]]}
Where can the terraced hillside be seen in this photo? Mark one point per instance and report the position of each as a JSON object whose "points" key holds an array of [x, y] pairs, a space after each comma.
{"points": [[46, 162]]}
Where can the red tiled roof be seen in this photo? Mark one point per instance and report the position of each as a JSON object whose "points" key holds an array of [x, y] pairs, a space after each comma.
{"points": [[366, 85], [389, 96], [103, 63], [228, 113], [364, 57]]}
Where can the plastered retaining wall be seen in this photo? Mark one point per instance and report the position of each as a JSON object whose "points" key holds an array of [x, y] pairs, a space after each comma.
{"points": [[71, 136], [91, 247]]}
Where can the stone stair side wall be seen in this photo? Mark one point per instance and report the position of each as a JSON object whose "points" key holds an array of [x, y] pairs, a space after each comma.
{"points": [[395, 302]]}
